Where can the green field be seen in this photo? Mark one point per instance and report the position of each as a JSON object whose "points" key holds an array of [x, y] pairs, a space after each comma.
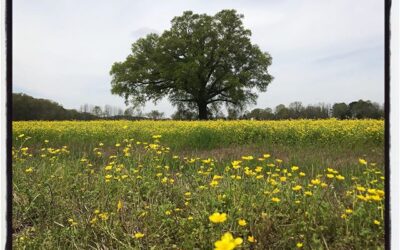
{"points": [[160, 184]]}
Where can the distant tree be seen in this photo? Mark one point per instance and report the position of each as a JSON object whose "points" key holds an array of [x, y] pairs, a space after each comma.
{"points": [[138, 113], [129, 111], [281, 112], [295, 109], [255, 114], [215, 112], [201, 60], [378, 111], [182, 113], [365, 109], [27, 108], [341, 111], [107, 112], [233, 114], [261, 114], [86, 108], [155, 114], [320, 111], [97, 111], [268, 114]]}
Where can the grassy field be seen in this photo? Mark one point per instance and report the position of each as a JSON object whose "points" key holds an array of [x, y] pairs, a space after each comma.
{"points": [[198, 185]]}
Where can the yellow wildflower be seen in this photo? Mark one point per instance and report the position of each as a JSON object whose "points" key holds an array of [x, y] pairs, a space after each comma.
{"points": [[218, 217], [227, 242], [315, 181], [213, 183], [295, 168], [296, 188], [119, 205], [93, 221], [72, 222], [247, 158], [330, 176], [340, 177], [362, 161], [360, 188], [251, 239], [324, 185], [104, 216], [275, 199], [362, 197], [138, 235], [242, 222]]}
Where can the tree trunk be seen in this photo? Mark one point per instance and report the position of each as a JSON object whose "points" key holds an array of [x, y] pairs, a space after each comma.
{"points": [[202, 111]]}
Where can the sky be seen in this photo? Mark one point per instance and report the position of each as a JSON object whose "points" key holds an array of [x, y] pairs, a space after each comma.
{"points": [[323, 51]]}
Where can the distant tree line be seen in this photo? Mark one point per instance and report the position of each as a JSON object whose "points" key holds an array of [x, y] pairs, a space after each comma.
{"points": [[116, 112], [355, 110], [26, 108]]}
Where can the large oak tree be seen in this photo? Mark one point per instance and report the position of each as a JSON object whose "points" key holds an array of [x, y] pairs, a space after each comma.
{"points": [[201, 61]]}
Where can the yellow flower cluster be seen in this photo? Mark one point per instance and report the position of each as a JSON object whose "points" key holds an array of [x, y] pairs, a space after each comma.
{"points": [[218, 217], [228, 242]]}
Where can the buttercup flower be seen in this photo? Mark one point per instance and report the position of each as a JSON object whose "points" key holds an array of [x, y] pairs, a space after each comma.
{"points": [[218, 217]]}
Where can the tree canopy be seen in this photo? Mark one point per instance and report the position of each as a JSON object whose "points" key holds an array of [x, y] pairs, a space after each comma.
{"points": [[201, 61]]}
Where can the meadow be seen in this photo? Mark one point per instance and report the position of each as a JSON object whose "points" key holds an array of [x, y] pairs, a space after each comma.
{"points": [[305, 184]]}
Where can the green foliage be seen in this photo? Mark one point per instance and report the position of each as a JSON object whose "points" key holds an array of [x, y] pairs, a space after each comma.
{"points": [[355, 110], [201, 60], [140, 195], [155, 115], [341, 111], [261, 114], [366, 109], [27, 108]]}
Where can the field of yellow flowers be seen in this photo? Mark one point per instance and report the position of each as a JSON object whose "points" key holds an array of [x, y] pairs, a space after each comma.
{"points": [[159, 185]]}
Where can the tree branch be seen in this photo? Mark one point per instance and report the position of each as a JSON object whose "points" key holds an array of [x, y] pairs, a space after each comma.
{"points": [[221, 100], [219, 92], [184, 100]]}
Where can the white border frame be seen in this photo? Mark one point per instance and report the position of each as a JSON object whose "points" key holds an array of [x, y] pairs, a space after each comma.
{"points": [[394, 127], [394, 152], [3, 131]]}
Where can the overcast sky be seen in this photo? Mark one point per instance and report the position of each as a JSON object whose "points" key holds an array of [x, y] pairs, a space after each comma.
{"points": [[323, 51]]}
